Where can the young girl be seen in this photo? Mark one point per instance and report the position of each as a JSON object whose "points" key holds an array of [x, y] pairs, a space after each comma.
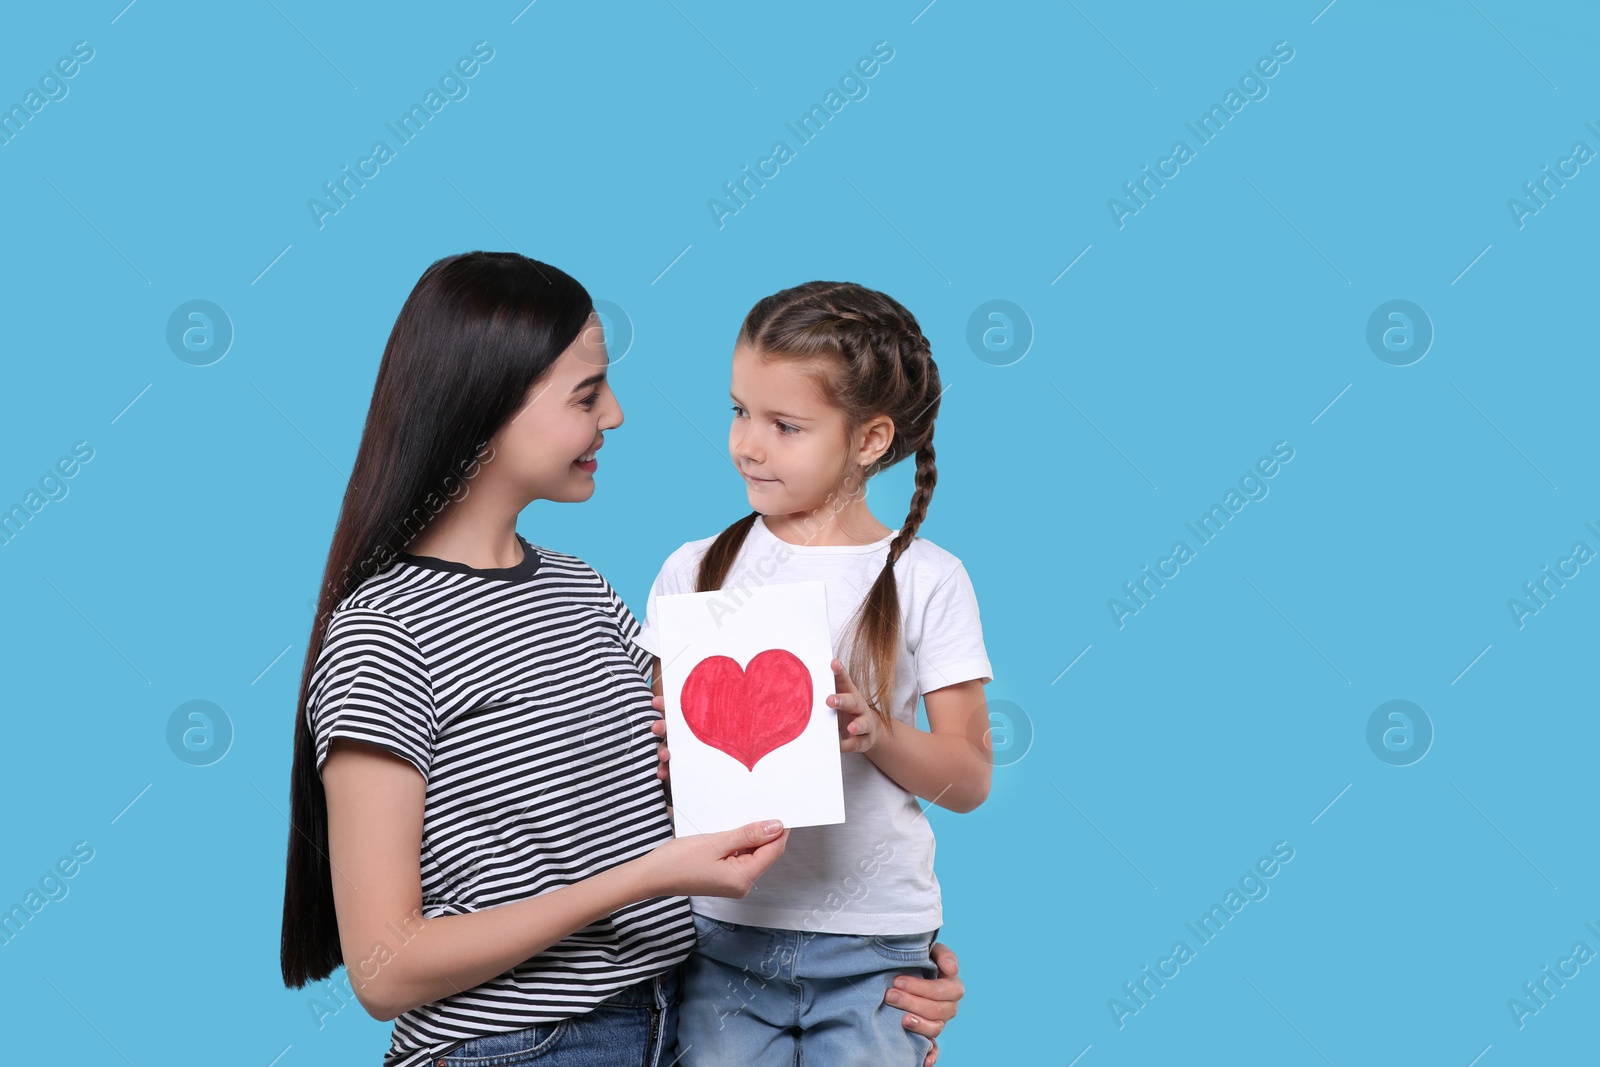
{"points": [[833, 383], [477, 830]]}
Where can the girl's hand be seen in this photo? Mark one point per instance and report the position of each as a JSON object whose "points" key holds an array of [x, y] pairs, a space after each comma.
{"points": [[859, 725], [929, 1002], [659, 728], [724, 864]]}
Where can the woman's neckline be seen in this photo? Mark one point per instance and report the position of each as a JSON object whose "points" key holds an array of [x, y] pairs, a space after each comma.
{"points": [[872, 546], [519, 571]]}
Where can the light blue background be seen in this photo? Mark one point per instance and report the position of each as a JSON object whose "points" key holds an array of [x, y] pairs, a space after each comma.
{"points": [[1228, 314]]}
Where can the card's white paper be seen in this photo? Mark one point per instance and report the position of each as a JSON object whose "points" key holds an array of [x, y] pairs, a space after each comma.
{"points": [[797, 781]]}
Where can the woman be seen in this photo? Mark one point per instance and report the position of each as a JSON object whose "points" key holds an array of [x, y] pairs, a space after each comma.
{"points": [[478, 832]]}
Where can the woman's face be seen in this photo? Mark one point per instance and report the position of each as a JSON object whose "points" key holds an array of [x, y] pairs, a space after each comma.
{"points": [[545, 450]]}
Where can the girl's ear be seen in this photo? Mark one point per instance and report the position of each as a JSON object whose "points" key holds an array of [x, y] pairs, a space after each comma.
{"points": [[875, 437]]}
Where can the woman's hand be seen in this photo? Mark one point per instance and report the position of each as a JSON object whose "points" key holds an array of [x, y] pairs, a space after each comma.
{"points": [[724, 864], [929, 1002], [859, 724]]}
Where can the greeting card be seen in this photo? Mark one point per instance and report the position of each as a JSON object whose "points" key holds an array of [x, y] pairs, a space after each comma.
{"points": [[746, 673]]}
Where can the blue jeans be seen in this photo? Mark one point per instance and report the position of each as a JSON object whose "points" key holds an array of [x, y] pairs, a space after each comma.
{"points": [[635, 1027], [757, 997]]}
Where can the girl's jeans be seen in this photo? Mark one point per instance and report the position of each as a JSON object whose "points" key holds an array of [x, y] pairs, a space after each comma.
{"points": [[756, 997]]}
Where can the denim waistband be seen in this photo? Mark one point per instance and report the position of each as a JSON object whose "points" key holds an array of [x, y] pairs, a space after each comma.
{"points": [[658, 991]]}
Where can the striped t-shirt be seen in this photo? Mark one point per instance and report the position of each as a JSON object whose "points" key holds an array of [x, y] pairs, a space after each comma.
{"points": [[520, 696]]}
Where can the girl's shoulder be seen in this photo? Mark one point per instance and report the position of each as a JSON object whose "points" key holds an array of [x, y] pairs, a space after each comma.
{"points": [[922, 556], [683, 563], [925, 557], [691, 551]]}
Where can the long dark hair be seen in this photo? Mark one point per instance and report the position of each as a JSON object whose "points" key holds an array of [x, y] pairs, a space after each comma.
{"points": [[872, 359], [477, 332]]}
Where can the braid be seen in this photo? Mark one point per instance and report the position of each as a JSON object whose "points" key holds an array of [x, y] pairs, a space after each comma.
{"points": [[925, 373], [719, 557], [926, 477]]}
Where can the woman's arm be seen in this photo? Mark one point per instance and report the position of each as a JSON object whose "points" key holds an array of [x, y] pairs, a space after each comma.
{"points": [[949, 764], [399, 960]]}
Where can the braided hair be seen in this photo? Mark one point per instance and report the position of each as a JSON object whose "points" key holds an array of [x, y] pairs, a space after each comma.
{"points": [[873, 360]]}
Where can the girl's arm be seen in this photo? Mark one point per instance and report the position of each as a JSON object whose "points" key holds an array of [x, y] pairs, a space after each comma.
{"points": [[399, 960], [949, 764]]}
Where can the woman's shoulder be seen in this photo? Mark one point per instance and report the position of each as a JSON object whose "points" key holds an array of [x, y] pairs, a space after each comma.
{"points": [[365, 633], [565, 561], [381, 592], [571, 577]]}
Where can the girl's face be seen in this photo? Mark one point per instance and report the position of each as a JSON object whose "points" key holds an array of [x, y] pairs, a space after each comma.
{"points": [[791, 445], [545, 449]]}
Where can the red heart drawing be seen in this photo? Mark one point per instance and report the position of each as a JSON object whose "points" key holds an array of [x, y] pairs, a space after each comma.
{"points": [[750, 712]]}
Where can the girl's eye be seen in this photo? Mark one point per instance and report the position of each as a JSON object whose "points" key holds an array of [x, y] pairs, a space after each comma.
{"points": [[589, 400], [783, 427]]}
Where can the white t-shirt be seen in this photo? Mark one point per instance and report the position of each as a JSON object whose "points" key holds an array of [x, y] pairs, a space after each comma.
{"points": [[873, 873]]}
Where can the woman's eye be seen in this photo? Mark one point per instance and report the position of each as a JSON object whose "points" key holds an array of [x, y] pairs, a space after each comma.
{"points": [[736, 410], [589, 400]]}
